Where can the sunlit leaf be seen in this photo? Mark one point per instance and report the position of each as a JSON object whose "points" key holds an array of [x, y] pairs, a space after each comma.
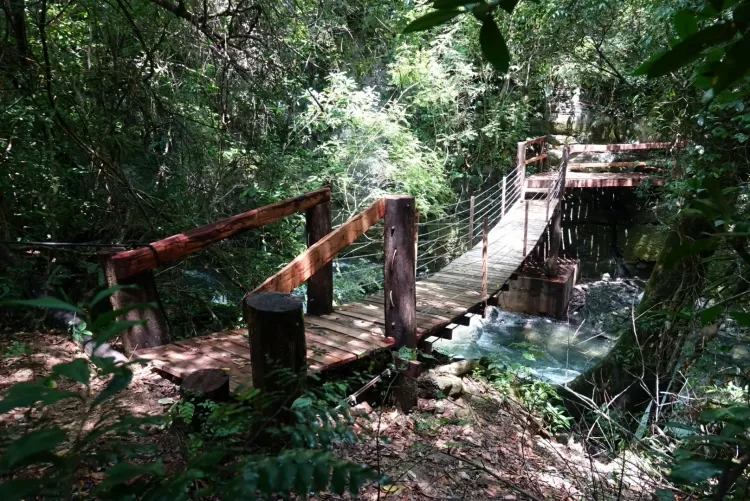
{"points": [[431, 19], [693, 471], [77, 370]]}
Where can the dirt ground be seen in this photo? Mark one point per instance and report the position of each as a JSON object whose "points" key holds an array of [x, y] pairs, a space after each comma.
{"points": [[476, 447]]}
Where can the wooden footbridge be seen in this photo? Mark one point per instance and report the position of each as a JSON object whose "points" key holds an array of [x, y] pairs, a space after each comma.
{"points": [[492, 233]]}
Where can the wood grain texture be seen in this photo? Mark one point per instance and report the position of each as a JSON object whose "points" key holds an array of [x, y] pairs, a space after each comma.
{"points": [[537, 158], [399, 271], [129, 263], [321, 253], [320, 284], [598, 148]]}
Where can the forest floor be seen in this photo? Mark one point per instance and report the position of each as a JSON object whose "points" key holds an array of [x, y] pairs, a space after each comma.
{"points": [[481, 445]]}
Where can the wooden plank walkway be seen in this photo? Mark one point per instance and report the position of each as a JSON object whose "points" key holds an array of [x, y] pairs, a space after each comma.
{"points": [[354, 331]]}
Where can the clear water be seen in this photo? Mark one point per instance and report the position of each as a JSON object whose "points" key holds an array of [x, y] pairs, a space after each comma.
{"points": [[553, 351]]}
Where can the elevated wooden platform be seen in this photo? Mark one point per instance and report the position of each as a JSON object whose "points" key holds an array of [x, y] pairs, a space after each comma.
{"points": [[354, 331], [593, 180]]}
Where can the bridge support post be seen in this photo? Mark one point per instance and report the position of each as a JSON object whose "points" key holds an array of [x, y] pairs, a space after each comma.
{"points": [[485, 245], [155, 330], [551, 264], [320, 285], [522, 169], [471, 222], [276, 331], [399, 271], [525, 230], [502, 198]]}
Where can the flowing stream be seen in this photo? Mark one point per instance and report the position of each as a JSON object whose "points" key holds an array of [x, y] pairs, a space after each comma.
{"points": [[552, 350]]}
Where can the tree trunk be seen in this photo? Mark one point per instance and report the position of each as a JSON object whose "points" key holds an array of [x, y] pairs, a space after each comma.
{"points": [[643, 361]]}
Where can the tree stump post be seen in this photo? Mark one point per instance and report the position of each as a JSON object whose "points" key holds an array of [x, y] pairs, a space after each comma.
{"points": [[276, 331], [211, 384], [320, 285], [155, 330], [399, 271]]}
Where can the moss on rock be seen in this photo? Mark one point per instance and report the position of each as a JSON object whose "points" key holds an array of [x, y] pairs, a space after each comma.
{"points": [[641, 243]]}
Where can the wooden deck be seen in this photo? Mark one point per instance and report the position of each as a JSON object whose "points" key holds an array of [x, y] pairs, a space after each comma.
{"points": [[354, 331]]}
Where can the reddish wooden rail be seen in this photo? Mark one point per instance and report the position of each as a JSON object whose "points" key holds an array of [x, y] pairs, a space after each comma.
{"points": [[598, 148], [321, 253], [130, 263]]}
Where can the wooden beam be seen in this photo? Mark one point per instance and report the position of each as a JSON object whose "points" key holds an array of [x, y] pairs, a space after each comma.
{"points": [[582, 148], [539, 139], [127, 264], [521, 165], [400, 291], [320, 284], [321, 253], [537, 158], [599, 165]]}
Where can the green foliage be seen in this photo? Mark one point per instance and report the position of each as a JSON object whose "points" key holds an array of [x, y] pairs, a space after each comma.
{"points": [[16, 350], [219, 451]]}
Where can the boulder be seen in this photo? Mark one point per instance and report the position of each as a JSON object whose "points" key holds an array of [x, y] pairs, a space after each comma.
{"points": [[459, 369], [436, 385]]}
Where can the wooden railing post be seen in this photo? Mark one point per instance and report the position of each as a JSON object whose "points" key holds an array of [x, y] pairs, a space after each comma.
{"points": [[399, 270], [525, 230], [502, 206], [471, 222], [320, 285], [522, 169], [551, 264], [276, 332], [155, 329], [485, 245]]}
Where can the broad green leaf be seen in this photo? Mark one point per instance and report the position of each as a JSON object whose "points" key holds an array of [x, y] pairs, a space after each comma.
{"points": [[708, 315], [493, 45], [338, 479], [508, 5], [693, 471], [120, 380], [105, 319], [736, 414], [690, 249], [303, 481], [322, 473], [28, 394], [77, 370], [49, 303], [20, 488], [733, 67], [431, 19], [302, 403], [268, 477], [687, 50], [450, 4], [685, 23], [108, 292], [287, 474], [31, 444], [124, 472], [741, 317]]}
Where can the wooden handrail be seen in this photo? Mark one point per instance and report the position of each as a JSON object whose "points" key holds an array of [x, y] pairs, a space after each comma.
{"points": [[594, 148], [539, 139], [537, 158], [318, 255], [130, 263]]}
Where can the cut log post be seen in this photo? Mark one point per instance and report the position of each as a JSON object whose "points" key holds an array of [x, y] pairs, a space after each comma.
{"points": [[155, 329], [521, 160], [406, 393], [320, 285], [276, 330], [211, 384], [471, 222], [485, 244], [399, 271], [502, 204]]}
